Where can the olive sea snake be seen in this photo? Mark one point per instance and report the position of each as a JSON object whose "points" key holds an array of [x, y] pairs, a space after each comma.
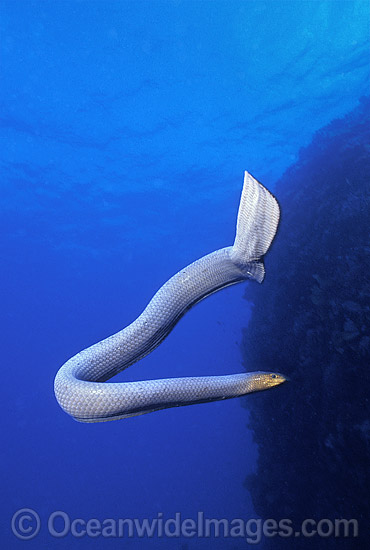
{"points": [[80, 386]]}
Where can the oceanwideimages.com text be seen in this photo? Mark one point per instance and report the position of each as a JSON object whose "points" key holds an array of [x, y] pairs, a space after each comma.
{"points": [[26, 524]]}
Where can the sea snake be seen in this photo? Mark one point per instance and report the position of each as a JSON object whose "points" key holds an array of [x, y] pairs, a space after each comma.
{"points": [[79, 384]]}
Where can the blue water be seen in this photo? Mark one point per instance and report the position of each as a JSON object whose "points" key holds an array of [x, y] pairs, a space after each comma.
{"points": [[125, 130]]}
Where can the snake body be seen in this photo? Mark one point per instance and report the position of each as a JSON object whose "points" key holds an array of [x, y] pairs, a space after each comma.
{"points": [[79, 384]]}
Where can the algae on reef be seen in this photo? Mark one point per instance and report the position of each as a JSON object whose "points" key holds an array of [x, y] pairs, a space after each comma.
{"points": [[311, 321]]}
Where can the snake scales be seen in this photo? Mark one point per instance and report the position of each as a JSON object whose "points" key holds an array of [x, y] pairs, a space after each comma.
{"points": [[79, 384]]}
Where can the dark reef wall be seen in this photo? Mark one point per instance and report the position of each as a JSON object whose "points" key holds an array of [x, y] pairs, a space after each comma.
{"points": [[311, 321]]}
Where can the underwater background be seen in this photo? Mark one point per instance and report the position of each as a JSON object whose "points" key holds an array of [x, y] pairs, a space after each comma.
{"points": [[125, 130]]}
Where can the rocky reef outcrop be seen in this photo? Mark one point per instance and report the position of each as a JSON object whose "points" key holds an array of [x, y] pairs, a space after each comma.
{"points": [[311, 321]]}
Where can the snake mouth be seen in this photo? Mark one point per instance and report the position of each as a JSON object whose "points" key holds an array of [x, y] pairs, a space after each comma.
{"points": [[279, 377]]}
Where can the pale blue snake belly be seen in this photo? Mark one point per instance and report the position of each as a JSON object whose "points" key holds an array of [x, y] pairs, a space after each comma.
{"points": [[80, 384]]}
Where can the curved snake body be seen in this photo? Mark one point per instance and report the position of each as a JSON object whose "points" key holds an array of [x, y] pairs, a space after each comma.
{"points": [[79, 384]]}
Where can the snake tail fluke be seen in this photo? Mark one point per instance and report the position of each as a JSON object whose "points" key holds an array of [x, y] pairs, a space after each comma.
{"points": [[258, 220]]}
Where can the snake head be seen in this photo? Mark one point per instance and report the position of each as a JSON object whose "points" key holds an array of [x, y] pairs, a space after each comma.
{"points": [[266, 380]]}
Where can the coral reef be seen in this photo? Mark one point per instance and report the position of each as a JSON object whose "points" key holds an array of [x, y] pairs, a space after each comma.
{"points": [[310, 321]]}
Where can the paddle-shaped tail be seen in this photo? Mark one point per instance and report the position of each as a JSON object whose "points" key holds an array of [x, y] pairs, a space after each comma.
{"points": [[258, 220]]}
